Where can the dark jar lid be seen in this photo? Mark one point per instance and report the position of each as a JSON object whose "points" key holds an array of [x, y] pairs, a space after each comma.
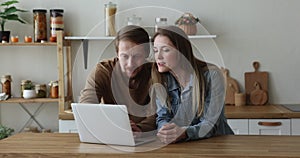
{"points": [[57, 10], [40, 10]]}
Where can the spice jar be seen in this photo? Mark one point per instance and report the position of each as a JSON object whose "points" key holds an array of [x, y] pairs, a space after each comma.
{"points": [[56, 22], [40, 25], [6, 85], [25, 84], [41, 90], [159, 22], [53, 89]]}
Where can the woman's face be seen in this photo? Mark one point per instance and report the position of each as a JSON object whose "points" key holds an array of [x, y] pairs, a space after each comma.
{"points": [[131, 56], [165, 53]]}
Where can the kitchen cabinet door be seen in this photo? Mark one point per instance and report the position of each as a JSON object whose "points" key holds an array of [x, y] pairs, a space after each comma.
{"points": [[239, 126], [269, 126], [295, 126]]}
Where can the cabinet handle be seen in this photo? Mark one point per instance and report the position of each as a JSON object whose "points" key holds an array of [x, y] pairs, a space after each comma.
{"points": [[269, 123]]}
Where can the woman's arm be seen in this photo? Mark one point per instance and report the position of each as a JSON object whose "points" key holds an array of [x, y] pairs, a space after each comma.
{"points": [[209, 121]]}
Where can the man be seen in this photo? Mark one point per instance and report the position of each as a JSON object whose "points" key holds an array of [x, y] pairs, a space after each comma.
{"points": [[125, 79]]}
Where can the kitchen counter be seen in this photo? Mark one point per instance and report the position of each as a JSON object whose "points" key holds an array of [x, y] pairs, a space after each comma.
{"points": [[239, 112], [263, 111], [68, 145]]}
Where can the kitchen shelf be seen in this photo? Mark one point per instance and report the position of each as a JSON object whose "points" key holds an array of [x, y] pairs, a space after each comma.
{"points": [[85, 42], [64, 70], [33, 100]]}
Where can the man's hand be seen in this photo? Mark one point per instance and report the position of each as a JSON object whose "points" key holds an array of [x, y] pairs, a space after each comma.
{"points": [[171, 133], [135, 129]]}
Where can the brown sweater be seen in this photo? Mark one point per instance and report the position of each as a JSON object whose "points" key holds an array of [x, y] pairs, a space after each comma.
{"points": [[106, 84]]}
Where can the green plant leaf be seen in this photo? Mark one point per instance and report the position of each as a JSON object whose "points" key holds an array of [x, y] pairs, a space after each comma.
{"points": [[9, 3]]}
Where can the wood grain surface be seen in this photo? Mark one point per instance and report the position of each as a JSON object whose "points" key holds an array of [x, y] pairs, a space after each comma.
{"points": [[68, 145], [232, 87]]}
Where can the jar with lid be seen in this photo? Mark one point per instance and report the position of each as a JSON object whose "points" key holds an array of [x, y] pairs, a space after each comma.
{"points": [[159, 22], [56, 22], [110, 10], [40, 25], [6, 85], [134, 20], [41, 90], [53, 89], [25, 84]]}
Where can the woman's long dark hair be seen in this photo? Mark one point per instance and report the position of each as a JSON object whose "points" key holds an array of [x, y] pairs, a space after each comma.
{"points": [[181, 42]]}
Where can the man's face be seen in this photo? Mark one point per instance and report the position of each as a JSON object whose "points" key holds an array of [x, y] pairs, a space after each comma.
{"points": [[131, 56]]}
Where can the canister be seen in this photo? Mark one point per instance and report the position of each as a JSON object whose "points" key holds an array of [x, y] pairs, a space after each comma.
{"points": [[41, 90], [53, 89], [56, 22], [40, 25], [110, 10]]}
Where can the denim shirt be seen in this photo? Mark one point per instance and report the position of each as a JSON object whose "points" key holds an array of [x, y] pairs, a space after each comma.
{"points": [[212, 122]]}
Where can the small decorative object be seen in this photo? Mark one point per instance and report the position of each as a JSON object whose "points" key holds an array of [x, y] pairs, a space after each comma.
{"points": [[53, 89], [6, 85], [41, 90], [258, 96], [240, 99], [27, 39], [26, 84], [5, 132], [187, 22], [8, 12], [14, 39], [160, 22], [134, 20]]}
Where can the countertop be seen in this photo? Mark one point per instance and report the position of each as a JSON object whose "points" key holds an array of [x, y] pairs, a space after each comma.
{"points": [[240, 112], [68, 145]]}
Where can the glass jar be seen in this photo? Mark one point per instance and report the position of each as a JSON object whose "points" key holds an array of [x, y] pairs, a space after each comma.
{"points": [[134, 20], [6, 85], [159, 22], [53, 89], [40, 25], [41, 90], [56, 22], [25, 84], [110, 10]]}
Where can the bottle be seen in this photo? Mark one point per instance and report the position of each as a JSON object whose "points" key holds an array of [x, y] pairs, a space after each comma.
{"points": [[6, 85], [110, 10], [40, 25], [56, 23], [159, 22]]}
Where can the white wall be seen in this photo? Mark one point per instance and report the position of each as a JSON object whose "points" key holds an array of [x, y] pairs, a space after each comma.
{"points": [[248, 30]]}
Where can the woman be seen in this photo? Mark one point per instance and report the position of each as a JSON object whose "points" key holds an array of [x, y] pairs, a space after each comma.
{"points": [[189, 93]]}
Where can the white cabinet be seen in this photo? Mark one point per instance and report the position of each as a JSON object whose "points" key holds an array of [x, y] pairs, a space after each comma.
{"points": [[67, 126], [269, 126], [295, 123], [239, 126]]}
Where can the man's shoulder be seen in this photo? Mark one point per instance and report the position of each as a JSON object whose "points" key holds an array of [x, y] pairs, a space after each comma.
{"points": [[106, 64]]}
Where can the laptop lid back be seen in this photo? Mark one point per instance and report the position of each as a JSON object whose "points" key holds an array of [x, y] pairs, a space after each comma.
{"points": [[103, 123]]}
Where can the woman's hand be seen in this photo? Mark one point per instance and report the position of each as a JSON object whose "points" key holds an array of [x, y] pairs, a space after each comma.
{"points": [[171, 133]]}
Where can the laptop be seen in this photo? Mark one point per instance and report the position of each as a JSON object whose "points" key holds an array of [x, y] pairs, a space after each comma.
{"points": [[106, 124]]}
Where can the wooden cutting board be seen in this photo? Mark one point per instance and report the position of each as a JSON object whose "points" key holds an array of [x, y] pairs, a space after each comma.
{"points": [[256, 84], [232, 87]]}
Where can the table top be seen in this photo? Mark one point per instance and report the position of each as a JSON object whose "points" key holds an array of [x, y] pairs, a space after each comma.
{"points": [[68, 144]]}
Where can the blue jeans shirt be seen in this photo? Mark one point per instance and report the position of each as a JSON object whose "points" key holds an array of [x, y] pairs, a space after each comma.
{"points": [[212, 122]]}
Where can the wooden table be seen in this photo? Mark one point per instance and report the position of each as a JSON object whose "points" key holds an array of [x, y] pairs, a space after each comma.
{"points": [[68, 145]]}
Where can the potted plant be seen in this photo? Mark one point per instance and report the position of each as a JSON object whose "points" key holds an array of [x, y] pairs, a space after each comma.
{"points": [[8, 12], [5, 132]]}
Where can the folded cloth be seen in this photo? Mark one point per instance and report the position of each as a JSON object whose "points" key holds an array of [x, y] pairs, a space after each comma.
{"points": [[3, 96]]}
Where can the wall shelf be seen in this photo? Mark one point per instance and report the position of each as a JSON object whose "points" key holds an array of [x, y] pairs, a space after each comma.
{"points": [[85, 42]]}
